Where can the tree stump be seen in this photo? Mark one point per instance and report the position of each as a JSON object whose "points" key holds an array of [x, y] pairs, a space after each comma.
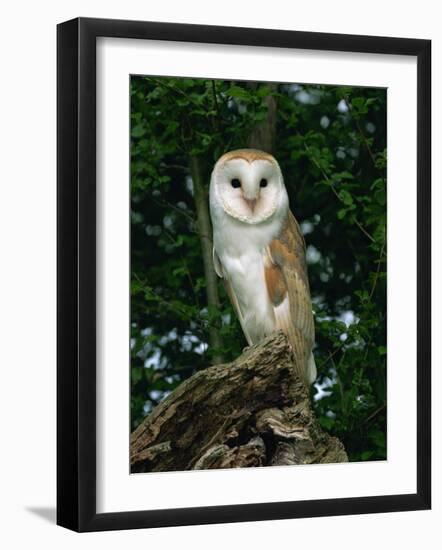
{"points": [[252, 412]]}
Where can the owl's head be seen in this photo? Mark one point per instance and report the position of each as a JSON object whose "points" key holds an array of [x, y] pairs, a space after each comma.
{"points": [[248, 185]]}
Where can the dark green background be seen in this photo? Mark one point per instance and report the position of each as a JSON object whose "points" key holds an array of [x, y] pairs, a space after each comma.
{"points": [[331, 146]]}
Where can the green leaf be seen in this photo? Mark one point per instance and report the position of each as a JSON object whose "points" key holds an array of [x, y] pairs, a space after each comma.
{"points": [[238, 93], [342, 213], [138, 131], [345, 197], [359, 106], [380, 197]]}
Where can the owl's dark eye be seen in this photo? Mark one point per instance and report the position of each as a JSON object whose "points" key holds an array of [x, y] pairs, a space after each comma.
{"points": [[263, 183], [235, 183]]}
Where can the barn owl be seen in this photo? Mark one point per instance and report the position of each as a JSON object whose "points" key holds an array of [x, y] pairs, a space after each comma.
{"points": [[259, 251]]}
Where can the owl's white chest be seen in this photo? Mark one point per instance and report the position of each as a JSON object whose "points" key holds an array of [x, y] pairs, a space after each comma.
{"points": [[240, 249]]}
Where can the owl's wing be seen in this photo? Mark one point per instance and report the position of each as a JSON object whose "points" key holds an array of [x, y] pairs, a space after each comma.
{"points": [[287, 285], [230, 292]]}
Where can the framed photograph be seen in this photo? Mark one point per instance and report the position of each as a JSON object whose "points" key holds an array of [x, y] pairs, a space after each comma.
{"points": [[243, 274]]}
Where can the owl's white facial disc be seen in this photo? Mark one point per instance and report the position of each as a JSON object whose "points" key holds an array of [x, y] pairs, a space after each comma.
{"points": [[248, 189]]}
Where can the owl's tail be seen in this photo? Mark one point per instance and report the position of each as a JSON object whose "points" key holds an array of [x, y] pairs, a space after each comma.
{"points": [[311, 369]]}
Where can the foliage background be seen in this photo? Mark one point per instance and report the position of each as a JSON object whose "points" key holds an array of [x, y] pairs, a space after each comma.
{"points": [[331, 145]]}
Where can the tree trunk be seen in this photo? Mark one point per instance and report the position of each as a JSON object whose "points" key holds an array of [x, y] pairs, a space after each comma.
{"points": [[204, 227], [254, 411], [263, 136]]}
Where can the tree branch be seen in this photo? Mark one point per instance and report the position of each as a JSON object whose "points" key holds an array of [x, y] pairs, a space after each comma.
{"points": [[205, 231], [252, 412]]}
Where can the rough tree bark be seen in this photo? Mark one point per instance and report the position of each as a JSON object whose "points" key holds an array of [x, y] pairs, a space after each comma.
{"points": [[251, 412]]}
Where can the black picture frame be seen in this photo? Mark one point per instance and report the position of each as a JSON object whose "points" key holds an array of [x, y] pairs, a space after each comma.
{"points": [[76, 273]]}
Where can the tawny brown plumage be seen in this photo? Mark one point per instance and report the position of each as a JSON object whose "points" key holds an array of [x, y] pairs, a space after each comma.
{"points": [[248, 155], [287, 259]]}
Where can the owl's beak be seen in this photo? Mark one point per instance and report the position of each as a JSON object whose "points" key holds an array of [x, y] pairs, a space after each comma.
{"points": [[251, 203]]}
